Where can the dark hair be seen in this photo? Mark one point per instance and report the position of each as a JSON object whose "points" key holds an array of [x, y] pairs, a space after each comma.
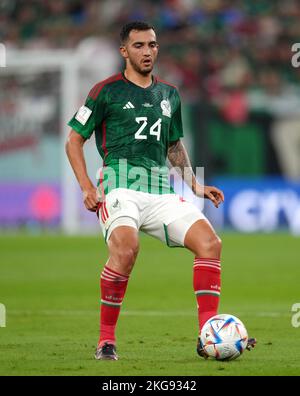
{"points": [[136, 25]]}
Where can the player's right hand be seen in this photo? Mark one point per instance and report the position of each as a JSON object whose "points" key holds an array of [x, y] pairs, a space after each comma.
{"points": [[90, 199]]}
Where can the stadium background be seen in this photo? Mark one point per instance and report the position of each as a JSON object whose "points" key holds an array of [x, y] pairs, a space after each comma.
{"points": [[231, 61]]}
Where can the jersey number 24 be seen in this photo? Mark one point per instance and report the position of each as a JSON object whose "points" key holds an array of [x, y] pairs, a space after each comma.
{"points": [[155, 129]]}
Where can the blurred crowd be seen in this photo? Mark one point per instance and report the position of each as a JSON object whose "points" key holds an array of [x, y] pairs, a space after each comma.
{"points": [[215, 42], [233, 54]]}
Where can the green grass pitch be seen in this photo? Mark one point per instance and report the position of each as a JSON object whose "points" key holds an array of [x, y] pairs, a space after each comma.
{"points": [[49, 285]]}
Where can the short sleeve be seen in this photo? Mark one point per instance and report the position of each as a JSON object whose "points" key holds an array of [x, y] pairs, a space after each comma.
{"points": [[89, 116], [176, 128]]}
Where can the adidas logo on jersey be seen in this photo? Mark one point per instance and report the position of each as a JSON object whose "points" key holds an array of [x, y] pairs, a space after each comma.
{"points": [[129, 105]]}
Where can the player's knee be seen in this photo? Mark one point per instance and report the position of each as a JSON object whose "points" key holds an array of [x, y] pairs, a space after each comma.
{"points": [[126, 257], [217, 245], [210, 246]]}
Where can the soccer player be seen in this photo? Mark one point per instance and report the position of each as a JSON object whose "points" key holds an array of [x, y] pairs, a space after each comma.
{"points": [[136, 118]]}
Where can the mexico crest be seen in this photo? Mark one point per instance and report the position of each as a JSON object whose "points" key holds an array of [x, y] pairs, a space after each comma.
{"points": [[166, 107]]}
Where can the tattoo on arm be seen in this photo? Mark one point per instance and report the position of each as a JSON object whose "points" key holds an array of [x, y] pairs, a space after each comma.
{"points": [[179, 158]]}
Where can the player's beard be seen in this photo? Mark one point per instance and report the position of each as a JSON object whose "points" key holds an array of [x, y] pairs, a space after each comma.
{"points": [[144, 70]]}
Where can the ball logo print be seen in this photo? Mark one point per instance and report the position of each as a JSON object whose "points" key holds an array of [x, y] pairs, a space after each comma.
{"points": [[2, 315], [2, 55], [296, 316], [224, 337]]}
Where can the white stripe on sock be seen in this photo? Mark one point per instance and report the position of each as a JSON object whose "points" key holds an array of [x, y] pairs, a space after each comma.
{"points": [[207, 262], [209, 266], [111, 303], [207, 291], [110, 272]]}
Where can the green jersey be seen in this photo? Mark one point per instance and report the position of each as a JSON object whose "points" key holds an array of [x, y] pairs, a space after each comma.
{"points": [[133, 128]]}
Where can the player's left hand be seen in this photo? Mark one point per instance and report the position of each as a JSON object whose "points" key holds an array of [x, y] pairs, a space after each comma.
{"points": [[215, 195]]}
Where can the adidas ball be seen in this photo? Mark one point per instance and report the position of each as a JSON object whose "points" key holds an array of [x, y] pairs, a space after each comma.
{"points": [[224, 337]]}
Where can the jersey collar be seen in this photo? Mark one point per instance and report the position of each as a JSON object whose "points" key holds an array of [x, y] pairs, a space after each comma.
{"points": [[154, 81]]}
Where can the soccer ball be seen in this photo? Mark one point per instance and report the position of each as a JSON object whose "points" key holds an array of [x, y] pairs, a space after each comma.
{"points": [[224, 337]]}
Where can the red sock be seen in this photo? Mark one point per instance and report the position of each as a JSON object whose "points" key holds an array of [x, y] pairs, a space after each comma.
{"points": [[207, 286], [113, 287]]}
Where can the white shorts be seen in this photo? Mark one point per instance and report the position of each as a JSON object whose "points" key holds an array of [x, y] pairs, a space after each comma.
{"points": [[166, 217]]}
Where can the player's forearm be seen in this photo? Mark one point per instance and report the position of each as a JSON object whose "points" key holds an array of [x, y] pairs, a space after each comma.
{"points": [[179, 158], [74, 150]]}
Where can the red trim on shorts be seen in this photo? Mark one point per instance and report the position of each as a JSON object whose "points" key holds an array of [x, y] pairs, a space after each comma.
{"points": [[102, 215], [105, 211], [102, 205], [98, 209]]}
